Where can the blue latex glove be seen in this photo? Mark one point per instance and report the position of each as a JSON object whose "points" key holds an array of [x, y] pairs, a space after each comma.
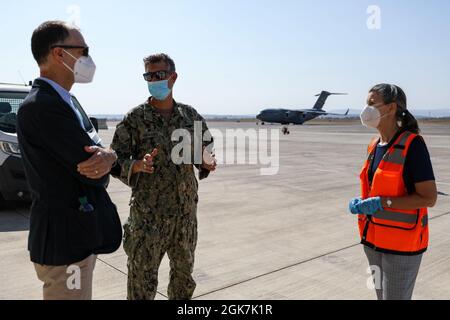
{"points": [[367, 207], [353, 206], [370, 206]]}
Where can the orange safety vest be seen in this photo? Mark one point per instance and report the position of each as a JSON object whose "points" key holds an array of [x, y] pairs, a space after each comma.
{"points": [[394, 231]]}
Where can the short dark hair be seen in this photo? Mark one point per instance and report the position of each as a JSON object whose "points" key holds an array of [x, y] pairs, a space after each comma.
{"points": [[45, 36], [158, 57], [394, 94]]}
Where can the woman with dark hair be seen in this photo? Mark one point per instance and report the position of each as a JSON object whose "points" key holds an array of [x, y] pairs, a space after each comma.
{"points": [[397, 187]]}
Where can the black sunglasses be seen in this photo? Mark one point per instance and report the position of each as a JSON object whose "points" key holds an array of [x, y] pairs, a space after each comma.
{"points": [[158, 75], [85, 49]]}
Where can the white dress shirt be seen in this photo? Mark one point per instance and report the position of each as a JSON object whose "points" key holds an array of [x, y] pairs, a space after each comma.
{"points": [[66, 96]]}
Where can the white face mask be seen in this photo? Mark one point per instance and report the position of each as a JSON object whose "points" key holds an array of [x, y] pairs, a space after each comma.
{"points": [[84, 69], [371, 117]]}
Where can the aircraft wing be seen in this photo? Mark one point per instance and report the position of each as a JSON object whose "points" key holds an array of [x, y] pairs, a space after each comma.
{"points": [[323, 113], [338, 114]]}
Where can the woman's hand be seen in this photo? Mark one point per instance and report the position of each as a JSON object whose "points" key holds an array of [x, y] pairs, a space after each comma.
{"points": [[352, 206], [368, 207]]}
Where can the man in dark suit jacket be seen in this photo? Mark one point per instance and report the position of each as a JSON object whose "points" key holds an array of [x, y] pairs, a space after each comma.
{"points": [[72, 217]]}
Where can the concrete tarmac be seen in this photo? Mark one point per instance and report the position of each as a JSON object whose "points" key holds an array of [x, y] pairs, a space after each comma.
{"points": [[283, 236]]}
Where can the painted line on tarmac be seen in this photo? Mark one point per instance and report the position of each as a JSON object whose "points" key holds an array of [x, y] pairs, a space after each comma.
{"points": [[293, 265]]}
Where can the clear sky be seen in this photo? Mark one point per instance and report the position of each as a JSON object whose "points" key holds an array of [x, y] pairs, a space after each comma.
{"points": [[238, 57]]}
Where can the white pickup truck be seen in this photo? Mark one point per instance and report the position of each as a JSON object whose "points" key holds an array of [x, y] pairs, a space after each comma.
{"points": [[13, 184]]}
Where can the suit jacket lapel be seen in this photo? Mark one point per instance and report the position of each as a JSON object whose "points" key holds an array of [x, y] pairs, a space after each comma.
{"points": [[45, 86]]}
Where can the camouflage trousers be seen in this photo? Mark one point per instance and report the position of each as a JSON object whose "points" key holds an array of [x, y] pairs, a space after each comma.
{"points": [[147, 238]]}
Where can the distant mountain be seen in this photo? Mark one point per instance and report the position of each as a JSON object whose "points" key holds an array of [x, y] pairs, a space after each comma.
{"points": [[419, 113], [119, 117], [230, 117], [110, 117], [431, 113]]}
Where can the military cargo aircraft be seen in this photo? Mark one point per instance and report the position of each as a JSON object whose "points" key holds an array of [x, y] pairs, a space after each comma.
{"points": [[288, 116]]}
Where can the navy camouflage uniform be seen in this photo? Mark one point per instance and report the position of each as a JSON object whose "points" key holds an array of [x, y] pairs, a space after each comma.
{"points": [[163, 205]]}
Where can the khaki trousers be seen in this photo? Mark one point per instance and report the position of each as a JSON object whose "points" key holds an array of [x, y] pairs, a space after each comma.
{"points": [[73, 282]]}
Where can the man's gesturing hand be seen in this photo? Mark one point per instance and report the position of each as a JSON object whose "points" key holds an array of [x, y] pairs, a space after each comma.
{"points": [[145, 165], [99, 164], [209, 160]]}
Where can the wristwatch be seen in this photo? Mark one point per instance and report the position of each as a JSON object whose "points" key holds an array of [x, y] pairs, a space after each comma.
{"points": [[389, 202]]}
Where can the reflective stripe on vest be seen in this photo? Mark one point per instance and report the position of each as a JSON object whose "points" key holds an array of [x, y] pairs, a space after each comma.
{"points": [[396, 216], [397, 156]]}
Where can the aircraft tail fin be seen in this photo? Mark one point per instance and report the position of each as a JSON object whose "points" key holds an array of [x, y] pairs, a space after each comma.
{"points": [[323, 96]]}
